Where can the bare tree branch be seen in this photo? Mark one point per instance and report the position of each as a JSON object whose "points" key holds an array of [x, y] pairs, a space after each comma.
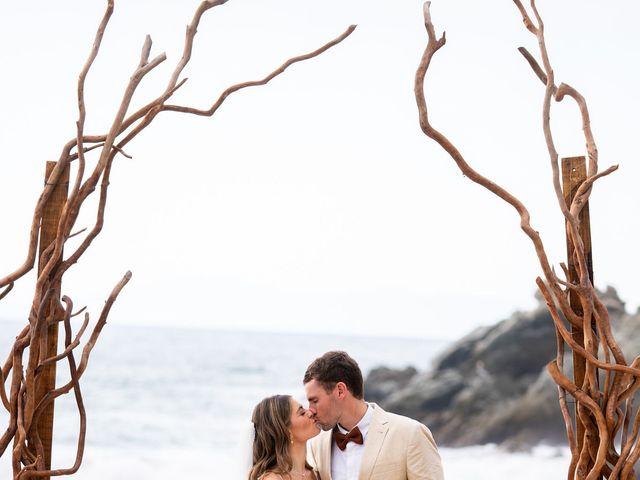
{"points": [[534, 65], [23, 402], [234, 88], [599, 400]]}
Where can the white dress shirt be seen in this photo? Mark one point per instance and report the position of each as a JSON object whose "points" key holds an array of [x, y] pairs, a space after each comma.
{"points": [[345, 464]]}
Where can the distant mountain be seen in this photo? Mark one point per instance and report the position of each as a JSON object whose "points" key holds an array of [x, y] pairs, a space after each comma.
{"points": [[491, 386]]}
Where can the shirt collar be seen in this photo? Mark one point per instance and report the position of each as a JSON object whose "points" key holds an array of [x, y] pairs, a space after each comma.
{"points": [[363, 424]]}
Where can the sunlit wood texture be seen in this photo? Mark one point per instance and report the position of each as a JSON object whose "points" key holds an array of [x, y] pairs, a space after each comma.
{"points": [[574, 173], [47, 377]]}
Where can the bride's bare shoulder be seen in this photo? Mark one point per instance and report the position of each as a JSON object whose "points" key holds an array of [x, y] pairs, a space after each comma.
{"points": [[271, 476]]}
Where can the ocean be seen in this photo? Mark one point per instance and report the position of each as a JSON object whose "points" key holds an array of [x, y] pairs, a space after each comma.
{"points": [[167, 403]]}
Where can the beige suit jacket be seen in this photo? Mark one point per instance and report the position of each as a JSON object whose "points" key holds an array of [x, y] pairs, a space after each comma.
{"points": [[396, 448]]}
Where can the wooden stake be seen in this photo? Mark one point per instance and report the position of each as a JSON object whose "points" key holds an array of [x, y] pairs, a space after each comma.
{"points": [[574, 172], [48, 229]]}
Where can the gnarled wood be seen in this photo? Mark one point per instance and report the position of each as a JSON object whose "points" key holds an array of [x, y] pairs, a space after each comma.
{"points": [[607, 442], [29, 397]]}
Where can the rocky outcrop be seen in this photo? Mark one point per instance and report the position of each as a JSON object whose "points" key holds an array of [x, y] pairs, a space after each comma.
{"points": [[491, 386], [383, 381]]}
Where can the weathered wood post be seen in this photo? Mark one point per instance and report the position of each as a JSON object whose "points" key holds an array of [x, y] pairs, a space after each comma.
{"points": [[48, 229], [574, 172]]}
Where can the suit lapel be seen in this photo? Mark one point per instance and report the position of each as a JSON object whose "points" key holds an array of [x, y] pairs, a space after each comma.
{"points": [[373, 443], [324, 460]]}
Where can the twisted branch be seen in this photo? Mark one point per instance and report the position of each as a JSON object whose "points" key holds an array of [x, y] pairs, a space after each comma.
{"points": [[48, 306], [599, 407]]}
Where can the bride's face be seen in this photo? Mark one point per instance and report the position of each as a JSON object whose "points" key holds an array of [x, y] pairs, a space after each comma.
{"points": [[303, 425]]}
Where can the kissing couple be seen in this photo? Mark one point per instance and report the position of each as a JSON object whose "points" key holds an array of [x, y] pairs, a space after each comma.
{"points": [[339, 436]]}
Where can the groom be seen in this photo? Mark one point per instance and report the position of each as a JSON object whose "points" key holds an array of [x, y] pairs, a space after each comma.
{"points": [[360, 440]]}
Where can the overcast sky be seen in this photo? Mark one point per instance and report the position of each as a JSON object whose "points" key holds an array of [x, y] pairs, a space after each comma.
{"points": [[315, 203]]}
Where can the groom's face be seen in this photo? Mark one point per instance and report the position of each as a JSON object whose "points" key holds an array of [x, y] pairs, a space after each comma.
{"points": [[322, 404]]}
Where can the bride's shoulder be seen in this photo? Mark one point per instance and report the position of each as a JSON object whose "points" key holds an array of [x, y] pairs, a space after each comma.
{"points": [[270, 476]]}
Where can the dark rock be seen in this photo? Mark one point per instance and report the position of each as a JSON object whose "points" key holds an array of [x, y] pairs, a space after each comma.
{"points": [[383, 381], [614, 305], [425, 393], [492, 386], [530, 419]]}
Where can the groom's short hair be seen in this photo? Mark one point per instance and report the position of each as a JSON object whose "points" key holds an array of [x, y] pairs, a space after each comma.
{"points": [[334, 367]]}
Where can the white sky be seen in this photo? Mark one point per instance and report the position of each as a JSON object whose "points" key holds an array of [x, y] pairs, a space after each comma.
{"points": [[316, 203]]}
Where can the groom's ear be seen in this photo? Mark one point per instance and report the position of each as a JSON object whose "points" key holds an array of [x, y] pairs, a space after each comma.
{"points": [[341, 389]]}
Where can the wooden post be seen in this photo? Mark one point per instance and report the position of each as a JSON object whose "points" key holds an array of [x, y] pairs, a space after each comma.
{"points": [[574, 172], [48, 229]]}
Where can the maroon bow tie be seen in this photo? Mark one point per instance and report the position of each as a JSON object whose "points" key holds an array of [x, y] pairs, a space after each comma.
{"points": [[353, 436]]}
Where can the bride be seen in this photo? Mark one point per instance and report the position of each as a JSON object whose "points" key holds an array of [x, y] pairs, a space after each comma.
{"points": [[282, 427]]}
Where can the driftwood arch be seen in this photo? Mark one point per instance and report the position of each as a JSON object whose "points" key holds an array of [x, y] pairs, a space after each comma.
{"points": [[608, 445], [89, 160]]}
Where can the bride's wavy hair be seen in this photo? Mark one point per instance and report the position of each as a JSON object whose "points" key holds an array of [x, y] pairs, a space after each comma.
{"points": [[271, 420]]}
